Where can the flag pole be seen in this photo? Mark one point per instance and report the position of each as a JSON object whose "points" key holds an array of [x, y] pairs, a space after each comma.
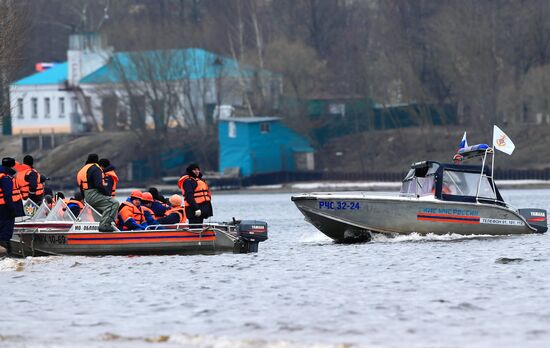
{"points": [[493, 165]]}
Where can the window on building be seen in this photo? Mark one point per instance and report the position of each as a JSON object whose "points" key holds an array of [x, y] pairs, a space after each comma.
{"points": [[232, 130], [61, 107], [264, 127], [74, 104], [47, 107], [34, 105], [337, 109], [20, 111]]}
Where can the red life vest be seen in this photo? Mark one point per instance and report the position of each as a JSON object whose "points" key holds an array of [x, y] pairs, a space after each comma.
{"points": [[202, 192]]}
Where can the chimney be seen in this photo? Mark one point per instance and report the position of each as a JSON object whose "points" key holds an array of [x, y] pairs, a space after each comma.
{"points": [[87, 53]]}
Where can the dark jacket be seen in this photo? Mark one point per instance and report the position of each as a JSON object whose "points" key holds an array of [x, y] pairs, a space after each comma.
{"points": [[159, 209], [10, 210], [171, 219], [94, 176]]}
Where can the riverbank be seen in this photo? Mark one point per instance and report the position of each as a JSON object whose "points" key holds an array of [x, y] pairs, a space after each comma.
{"points": [[339, 186]]}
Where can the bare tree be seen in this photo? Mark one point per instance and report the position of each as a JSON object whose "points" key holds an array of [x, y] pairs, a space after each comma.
{"points": [[12, 37]]}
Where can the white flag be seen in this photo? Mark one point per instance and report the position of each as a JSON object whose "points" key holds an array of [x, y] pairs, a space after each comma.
{"points": [[502, 142]]}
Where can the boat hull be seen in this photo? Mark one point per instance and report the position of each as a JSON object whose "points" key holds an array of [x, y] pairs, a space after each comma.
{"points": [[61, 239], [348, 218]]}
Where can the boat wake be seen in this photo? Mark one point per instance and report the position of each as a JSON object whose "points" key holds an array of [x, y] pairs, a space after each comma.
{"points": [[314, 237], [19, 265], [199, 341], [430, 237]]}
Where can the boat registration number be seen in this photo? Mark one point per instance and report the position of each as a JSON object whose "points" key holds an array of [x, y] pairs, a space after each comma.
{"points": [[339, 205]]}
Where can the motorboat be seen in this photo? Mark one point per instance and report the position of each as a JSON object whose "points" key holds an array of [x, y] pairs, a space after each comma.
{"points": [[438, 198], [56, 231]]}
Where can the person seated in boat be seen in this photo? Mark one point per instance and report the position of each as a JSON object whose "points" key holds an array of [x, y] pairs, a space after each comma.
{"points": [[159, 205], [75, 204], [130, 213], [146, 203], [176, 214], [50, 201]]}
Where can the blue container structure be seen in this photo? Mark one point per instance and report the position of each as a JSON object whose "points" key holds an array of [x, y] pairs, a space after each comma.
{"points": [[259, 145]]}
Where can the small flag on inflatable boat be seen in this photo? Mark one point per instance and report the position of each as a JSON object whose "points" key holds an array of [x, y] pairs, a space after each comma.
{"points": [[463, 142], [502, 142]]}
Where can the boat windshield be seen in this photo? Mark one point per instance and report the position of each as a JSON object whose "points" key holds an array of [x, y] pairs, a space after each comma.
{"points": [[419, 181], [466, 184], [422, 186]]}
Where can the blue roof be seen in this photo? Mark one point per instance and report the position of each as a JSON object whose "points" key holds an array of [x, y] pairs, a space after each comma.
{"points": [[250, 119], [166, 65], [54, 75]]}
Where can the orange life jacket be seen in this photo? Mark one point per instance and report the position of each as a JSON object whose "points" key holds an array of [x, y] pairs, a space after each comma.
{"points": [[113, 175], [82, 176], [129, 211], [21, 178], [15, 193], [202, 192], [180, 211]]}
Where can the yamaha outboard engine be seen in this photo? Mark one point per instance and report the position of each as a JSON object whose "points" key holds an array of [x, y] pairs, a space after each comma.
{"points": [[535, 218], [251, 232]]}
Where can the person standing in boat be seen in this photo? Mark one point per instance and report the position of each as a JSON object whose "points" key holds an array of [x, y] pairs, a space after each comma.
{"points": [[90, 179], [29, 180], [111, 179], [197, 195], [11, 203]]}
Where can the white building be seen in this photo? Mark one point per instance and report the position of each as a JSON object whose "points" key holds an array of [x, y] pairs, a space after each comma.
{"points": [[98, 89]]}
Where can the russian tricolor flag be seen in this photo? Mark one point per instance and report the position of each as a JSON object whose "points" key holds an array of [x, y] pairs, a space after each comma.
{"points": [[463, 142]]}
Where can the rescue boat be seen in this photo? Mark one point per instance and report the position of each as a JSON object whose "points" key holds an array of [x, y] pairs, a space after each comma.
{"points": [[57, 231], [438, 198]]}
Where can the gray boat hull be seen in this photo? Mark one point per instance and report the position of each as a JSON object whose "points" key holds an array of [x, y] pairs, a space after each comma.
{"points": [[59, 238], [353, 217]]}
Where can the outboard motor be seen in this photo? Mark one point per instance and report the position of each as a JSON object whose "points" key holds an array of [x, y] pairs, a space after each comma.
{"points": [[536, 218], [251, 232]]}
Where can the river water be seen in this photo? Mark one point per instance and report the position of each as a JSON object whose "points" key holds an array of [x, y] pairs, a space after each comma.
{"points": [[300, 290]]}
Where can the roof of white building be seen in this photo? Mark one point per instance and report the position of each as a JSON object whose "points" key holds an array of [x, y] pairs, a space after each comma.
{"points": [[161, 65], [53, 76]]}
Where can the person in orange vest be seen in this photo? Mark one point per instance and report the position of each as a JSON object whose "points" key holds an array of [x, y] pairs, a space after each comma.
{"points": [[30, 182], [90, 179], [111, 179], [146, 204], [159, 205], [176, 214], [130, 215], [11, 203], [197, 195], [75, 204]]}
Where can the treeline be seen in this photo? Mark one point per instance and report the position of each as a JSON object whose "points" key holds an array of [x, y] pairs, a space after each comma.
{"points": [[488, 57]]}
